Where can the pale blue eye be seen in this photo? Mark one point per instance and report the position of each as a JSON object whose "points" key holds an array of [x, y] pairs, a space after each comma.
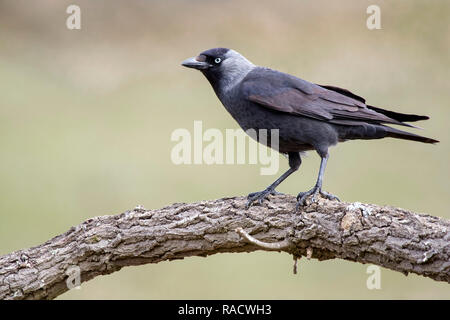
{"points": [[217, 60]]}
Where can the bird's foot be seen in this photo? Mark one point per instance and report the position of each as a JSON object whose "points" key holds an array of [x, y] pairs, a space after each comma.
{"points": [[302, 196], [276, 193], [260, 196]]}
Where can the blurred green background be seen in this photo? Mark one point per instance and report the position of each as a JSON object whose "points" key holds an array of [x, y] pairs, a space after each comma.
{"points": [[86, 117]]}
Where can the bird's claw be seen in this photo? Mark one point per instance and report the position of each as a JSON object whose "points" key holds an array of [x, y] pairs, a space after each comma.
{"points": [[302, 196], [328, 196], [260, 196], [276, 193]]}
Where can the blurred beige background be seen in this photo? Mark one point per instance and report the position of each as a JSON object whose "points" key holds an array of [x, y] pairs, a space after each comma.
{"points": [[86, 118]]}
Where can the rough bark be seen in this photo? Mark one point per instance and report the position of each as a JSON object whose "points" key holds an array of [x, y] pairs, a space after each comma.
{"points": [[389, 237]]}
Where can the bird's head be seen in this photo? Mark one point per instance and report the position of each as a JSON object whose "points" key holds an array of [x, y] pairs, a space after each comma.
{"points": [[223, 67]]}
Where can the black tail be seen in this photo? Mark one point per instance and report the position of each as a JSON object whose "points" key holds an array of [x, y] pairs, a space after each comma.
{"points": [[399, 134], [368, 131], [402, 117]]}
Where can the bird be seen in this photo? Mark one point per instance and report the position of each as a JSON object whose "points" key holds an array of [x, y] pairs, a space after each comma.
{"points": [[308, 116]]}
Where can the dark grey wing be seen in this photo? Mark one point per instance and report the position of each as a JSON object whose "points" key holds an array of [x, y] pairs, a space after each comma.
{"points": [[285, 93]]}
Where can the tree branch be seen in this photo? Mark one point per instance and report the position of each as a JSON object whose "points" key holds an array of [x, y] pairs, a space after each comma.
{"points": [[389, 237]]}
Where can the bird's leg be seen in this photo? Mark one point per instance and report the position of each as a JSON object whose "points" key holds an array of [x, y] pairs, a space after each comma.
{"points": [[261, 195], [302, 196], [294, 164]]}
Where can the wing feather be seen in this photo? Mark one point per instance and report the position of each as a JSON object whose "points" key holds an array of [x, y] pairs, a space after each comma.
{"points": [[285, 93]]}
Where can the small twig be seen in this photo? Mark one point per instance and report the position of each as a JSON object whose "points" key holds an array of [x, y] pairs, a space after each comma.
{"points": [[295, 263], [282, 245]]}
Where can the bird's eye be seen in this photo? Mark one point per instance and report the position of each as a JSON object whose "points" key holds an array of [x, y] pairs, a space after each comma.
{"points": [[217, 60]]}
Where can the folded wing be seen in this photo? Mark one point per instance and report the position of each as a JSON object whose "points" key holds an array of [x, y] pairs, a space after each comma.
{"points": [[285, 93]]}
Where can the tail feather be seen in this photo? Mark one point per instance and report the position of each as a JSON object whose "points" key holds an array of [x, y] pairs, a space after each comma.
{"points": [[402, 117], [399, 134], [366, 131]]}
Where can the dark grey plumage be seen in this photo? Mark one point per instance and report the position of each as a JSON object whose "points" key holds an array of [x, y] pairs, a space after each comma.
{"points": [[308, 116]]}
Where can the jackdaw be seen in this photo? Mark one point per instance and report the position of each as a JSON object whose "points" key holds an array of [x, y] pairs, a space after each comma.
{"points": [[308, 116]]}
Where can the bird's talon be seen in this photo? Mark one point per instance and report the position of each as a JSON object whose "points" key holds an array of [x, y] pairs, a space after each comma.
{"points": [[329, 196], [258, 196], [302, 196], [276, 193]]}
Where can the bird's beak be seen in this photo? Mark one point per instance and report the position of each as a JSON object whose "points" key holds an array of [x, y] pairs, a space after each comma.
{"points": [[196, 63]]}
